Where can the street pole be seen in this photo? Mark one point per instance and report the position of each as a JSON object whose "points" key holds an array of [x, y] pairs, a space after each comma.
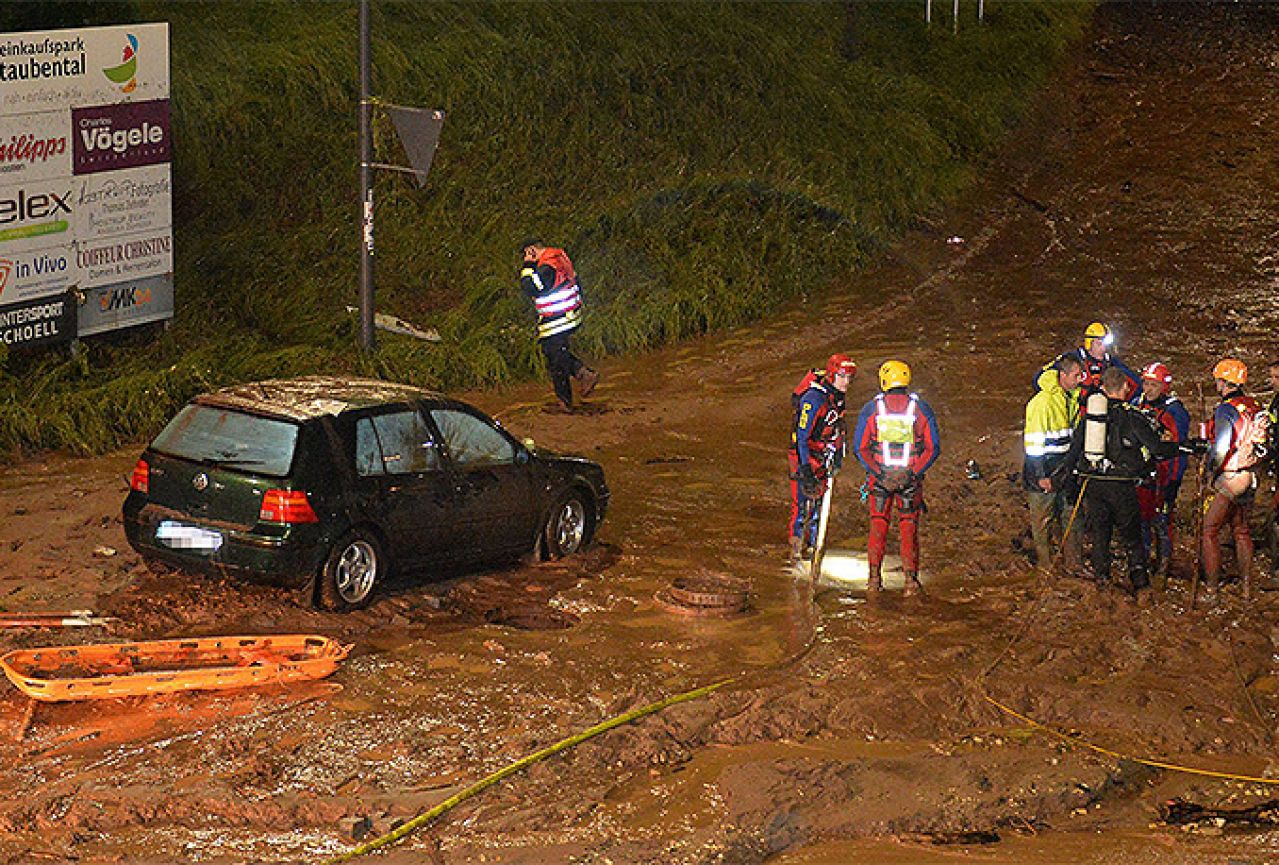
{"points": [[366, 183]]}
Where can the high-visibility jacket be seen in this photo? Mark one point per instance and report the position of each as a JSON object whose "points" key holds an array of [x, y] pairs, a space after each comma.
{"points": [[897, 430], [1051, 416], [552, 283], [819, 431]]}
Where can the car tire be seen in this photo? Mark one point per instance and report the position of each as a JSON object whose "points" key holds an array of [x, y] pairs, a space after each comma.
{"points": [[352, 571], [568, 526]]}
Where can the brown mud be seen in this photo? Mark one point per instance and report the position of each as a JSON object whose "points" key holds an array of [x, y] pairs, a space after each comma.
{"points": [[1142, 192]]}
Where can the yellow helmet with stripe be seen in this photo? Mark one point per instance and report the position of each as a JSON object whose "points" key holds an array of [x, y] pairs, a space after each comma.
{"points": [[1097, 330]]}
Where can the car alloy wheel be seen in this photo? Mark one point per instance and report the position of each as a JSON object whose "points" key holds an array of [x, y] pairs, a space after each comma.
{"points": [[568, 527], [356, 571], [351, 572]]}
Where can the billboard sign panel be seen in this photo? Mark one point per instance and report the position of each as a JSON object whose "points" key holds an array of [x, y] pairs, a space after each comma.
{"points": [[35, 147], [40, 273], [125, 304], [85, 179], [38, 322], [127, 135]]}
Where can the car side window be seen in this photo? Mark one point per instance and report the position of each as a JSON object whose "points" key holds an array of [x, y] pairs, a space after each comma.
{"points": [[395, 444], [471, 441], [368, 453]]}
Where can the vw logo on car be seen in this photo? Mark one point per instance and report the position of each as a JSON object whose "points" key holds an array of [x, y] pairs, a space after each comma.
{"points": [[200, 482]]}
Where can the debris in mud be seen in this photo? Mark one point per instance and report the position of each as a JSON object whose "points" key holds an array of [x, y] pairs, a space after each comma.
{"points": [[531, 618], [705, 594], [961, 838], [1192, 817]]}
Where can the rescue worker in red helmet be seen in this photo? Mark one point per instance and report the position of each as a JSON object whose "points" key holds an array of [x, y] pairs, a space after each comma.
{"points": [[1236, 440], [1095, 355], [1157, 497], [818, 441], [547, 276], [896, 441]]}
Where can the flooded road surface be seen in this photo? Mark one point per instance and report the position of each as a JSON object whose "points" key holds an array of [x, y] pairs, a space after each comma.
{"points": [[1142, 193]]}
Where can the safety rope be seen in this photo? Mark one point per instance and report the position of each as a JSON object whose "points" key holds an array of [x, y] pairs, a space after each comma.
{"points": [[1157, 764], [523, 763]]}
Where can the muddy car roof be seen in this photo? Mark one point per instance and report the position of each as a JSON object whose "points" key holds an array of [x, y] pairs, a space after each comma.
{"points": [[312, 396]]}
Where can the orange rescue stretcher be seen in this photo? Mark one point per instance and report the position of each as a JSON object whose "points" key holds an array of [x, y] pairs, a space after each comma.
{"points": [[164, 666]]}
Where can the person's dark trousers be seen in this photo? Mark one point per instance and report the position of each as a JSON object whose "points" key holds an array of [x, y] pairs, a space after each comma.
{"points": [[562, 364], [1113, 509]]}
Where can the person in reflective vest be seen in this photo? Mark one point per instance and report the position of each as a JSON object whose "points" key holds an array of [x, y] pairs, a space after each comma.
{"points": [[1236, 436], [1096, 358], [1051, 490], [818, 440], [547, 276], [1272, 522], [1157, 497], [896, 441]]}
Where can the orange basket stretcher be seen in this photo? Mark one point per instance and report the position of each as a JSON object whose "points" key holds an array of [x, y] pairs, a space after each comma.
{"points": [[164, 666]]}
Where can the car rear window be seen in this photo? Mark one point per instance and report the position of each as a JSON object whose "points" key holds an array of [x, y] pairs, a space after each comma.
{"points": [[230, 439]]}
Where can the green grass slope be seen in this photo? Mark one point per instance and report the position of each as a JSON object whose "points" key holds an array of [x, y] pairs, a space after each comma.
{"points": [[702, 162]]}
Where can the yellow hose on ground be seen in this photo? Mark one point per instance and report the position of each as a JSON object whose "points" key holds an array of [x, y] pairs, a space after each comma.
{"points": [[1157, 764], [426, 817]]}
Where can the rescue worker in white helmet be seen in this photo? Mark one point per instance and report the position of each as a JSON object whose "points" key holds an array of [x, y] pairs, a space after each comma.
{"points": [[818, 441], [547, 276], [1111, 472], [1095, 354], [1158, 495], [896, 440]]}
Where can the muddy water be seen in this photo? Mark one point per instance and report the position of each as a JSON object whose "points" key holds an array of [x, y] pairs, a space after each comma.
{"points": [[1141, 194]]}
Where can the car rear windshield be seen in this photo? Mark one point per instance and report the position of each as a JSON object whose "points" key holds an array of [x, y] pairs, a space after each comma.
{"points": [[230, 439]]}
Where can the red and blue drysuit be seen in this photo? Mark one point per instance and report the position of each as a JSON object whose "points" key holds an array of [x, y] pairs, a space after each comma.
{"points": [[896, 440], [1157, 499], [818, 441]]}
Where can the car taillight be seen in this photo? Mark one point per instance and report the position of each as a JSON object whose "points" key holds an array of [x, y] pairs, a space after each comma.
{"points": [[141, 479], [286, 506]]}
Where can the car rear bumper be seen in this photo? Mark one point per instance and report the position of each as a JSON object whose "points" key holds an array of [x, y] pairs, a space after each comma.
{"points": [[290, 556]]}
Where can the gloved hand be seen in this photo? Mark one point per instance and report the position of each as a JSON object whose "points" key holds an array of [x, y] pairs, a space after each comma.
{"points": [[1193, 446], [807, 481]]}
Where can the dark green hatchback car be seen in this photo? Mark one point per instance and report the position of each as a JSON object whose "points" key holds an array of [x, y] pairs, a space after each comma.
{"points": [[329, 482]]}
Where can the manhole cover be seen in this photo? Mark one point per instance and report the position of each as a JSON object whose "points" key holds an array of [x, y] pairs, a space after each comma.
{"points": [[705, 594], [533, 618]]}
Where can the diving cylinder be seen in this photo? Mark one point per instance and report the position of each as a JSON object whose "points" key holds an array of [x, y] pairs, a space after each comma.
{"points": [[1095, 429]]}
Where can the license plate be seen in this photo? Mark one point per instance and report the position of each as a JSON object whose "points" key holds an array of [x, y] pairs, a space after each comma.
{"points": [[177, 536]]}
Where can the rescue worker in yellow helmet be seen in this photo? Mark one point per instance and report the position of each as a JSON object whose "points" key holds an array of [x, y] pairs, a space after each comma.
{"points": [[1096, 357], [1237, 437], [896, 440]]}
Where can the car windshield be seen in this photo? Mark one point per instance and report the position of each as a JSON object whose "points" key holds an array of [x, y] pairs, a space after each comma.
{"points": [[230, 439]]}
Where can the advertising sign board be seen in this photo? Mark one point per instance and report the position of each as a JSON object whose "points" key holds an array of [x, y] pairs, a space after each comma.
{"points": [[85, 180]]}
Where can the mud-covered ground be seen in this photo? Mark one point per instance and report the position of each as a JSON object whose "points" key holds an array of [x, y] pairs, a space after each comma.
{"points": [[1143, 193]]}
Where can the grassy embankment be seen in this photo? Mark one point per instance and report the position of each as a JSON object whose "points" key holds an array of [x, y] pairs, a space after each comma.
{"points": [[703, 163]]}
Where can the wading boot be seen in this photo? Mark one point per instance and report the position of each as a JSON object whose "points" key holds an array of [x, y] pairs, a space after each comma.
{"points": [[874, 582], [796, 549], [586, 379], [912, 588]]}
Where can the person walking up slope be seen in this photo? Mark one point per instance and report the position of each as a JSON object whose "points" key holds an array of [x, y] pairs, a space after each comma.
{"points": [[547, 276], [897, 440]]}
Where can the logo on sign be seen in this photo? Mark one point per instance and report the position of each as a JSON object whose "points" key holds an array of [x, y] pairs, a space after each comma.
{"points": [[125, 73], [30, 149], [49, 206], [6, 268], [120, 136], [124, 298]]}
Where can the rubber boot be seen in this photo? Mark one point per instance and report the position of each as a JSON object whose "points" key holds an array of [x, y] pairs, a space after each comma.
{"points": [[586, 379], [874, 582], [913, 587]]}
